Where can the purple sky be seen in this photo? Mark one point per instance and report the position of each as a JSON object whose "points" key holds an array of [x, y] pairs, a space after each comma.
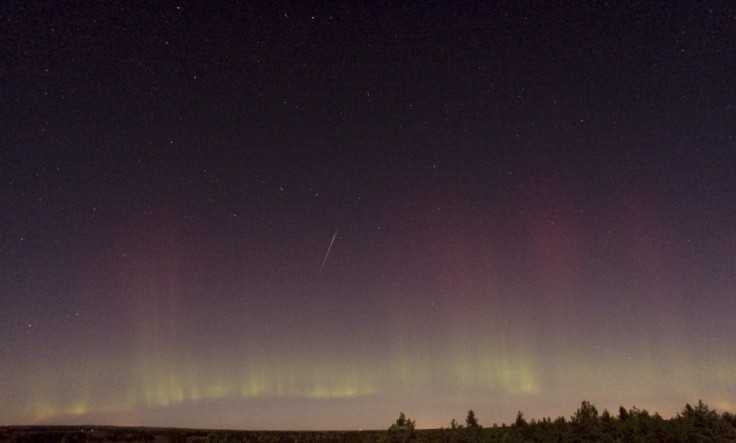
{"points": [[535, 205]]}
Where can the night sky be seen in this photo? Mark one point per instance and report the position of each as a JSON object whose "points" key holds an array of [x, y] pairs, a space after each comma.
{"points": [[295, 216]]}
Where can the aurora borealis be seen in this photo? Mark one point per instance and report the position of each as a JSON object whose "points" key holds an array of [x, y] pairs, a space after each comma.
{"points": [[534, 205]]}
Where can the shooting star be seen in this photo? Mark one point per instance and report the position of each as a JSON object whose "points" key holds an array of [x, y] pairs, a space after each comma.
{"points": [[328, 251]]}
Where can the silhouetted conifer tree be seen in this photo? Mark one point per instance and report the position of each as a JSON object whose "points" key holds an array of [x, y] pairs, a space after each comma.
{"points": [[584, 425], [402, 430], [520, 421], [471, 421]]}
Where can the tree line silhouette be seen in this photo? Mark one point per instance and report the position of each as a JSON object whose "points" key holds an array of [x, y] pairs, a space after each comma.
{"points": [[693, 424]]}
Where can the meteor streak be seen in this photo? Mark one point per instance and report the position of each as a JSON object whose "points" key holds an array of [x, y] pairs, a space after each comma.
{"points": [[328, 251]]}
